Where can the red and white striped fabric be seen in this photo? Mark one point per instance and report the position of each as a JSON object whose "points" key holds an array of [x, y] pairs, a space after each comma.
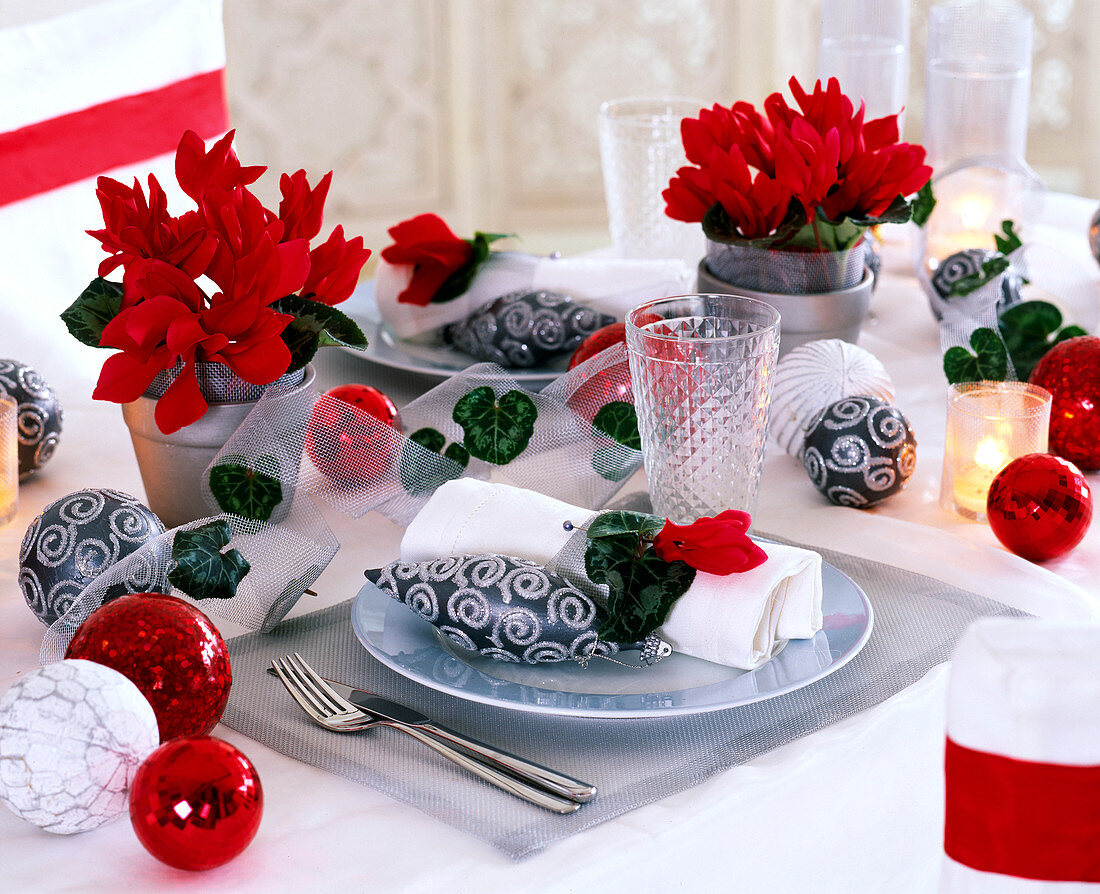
{"points": [[1022, 761], [108, 89]]}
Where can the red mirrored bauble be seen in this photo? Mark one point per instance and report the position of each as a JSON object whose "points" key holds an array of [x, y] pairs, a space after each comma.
{"points": [[602, 338], [1039, 506], [352, 435], [170, 650], [1070, 371], [196, 802]]}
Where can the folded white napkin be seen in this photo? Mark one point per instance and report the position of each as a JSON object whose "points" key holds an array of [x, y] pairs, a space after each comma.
{"points": [[1028, 690], [609, 285], [741, 620]]}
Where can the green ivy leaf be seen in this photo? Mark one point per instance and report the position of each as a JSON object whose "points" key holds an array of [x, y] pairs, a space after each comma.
{"points": [[619, 421], [989, 362], [1030, 329], [316, 325], [496, 431], [923, 205], [93, 309], [246, 492], [459, 281], [422, 474], [642, 587], [202, 570]]}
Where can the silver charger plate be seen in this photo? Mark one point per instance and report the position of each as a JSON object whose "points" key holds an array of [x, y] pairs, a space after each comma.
{"points": [[439, 361], [679, 684]]}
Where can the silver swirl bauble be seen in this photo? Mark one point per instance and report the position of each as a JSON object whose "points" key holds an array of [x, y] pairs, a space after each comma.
{"points": [[815, 375], [77, 538], [38, 414]]}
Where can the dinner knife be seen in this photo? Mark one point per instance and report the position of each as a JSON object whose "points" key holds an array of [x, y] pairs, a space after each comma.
{"points": [[551, 780]]}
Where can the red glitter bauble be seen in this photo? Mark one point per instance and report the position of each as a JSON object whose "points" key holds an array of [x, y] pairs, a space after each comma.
{"points": [[196, 802], [345, 440], [602, 338], [170, 650], [1070, 371], [1039, 506]]}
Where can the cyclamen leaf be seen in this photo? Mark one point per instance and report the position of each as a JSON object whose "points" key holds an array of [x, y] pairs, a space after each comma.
{"points": [[1030, 329], [923, 205], [619, 421], [316, 325], [423, 470], [988, 362], [93, 309], [621, 521], [246, 492], [991, 269], [1008, 243], [496, 431], [459, 281], [614, 461], [202, 570]]}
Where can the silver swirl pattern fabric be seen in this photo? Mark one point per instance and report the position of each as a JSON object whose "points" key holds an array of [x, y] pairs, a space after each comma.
{"points": [[501, 607], [76, 538], [39, 415]]}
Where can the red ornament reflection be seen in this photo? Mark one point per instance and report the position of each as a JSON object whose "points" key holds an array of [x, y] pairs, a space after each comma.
{"points": [[352, 436], [602, 338], [1039, 506], [196, 802], [170, 650], [1070, 371]]}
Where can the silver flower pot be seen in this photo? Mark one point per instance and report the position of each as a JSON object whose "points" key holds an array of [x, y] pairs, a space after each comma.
{"points": [[805, 318], [172, 465]]}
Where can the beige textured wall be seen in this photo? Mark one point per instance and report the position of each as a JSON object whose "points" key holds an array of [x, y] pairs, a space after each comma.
{"points": [[484, 110]]}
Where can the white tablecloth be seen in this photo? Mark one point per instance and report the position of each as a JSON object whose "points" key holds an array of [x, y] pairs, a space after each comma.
{"points": [[856, 807]]}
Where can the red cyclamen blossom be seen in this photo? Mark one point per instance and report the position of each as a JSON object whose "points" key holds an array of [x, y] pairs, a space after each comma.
{"points": [[717, 545], [427, 243]]}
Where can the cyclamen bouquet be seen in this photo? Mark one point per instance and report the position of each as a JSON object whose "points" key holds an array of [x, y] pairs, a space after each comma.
{"points": [[812, 178], [271, 305]]}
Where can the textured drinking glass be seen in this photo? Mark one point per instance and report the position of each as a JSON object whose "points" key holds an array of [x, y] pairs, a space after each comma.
{"points": [[702, 368], [9, 458], [865, 46], [977, 81], [640, 151], [989, 424]]}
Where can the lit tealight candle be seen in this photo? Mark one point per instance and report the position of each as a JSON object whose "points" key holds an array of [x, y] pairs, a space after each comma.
{"points": [[989, 424], [9, 458]]}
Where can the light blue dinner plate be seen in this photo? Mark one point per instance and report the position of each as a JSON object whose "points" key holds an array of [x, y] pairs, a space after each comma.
{"points": [[679, 684], [437, 360]]}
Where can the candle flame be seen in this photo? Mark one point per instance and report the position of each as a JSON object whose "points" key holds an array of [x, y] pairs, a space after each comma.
{"points": [[990, 454]]}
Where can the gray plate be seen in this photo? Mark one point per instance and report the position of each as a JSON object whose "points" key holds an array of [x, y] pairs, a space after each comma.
{"points": [[408, 644], [440, 361]]}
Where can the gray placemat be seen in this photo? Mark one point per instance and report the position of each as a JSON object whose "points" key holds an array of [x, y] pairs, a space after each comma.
{"points": [[633, 762]]}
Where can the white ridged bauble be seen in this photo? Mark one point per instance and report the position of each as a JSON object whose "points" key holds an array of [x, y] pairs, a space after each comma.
{"points": [[814, 375], [72, 736]]}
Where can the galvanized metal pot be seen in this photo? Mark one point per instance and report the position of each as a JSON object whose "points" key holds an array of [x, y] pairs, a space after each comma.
{"points": [[806, 317], [172, 465]]}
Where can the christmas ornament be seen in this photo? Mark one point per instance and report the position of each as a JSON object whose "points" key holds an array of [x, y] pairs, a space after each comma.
{"points": [[72, 735], [74, 539], [39, 414], [171, 651], [1070, 371], [525, 329], [505, 608], [345, 442], [1039, 506], [968, 263], [859, 451], [602, 338], [608, 385], [196, 802], [815, 375]]}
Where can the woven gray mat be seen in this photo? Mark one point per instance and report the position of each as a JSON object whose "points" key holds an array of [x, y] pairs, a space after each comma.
{"points": [[918, 620]]}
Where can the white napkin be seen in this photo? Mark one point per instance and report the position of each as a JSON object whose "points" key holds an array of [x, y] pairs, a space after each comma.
{"points": [[741, 620], [609, 285], [1026, 689]]}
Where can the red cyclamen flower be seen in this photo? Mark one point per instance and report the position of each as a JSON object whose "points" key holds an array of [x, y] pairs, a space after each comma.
{"points": [[717, 545], [435, 252]]}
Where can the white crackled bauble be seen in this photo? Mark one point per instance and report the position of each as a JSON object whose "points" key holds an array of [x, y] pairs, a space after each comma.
{"points": [[77, 537], [72, 736], [815, 375]]}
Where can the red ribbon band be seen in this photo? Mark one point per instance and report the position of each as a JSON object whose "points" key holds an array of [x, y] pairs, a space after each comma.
{"points": [[49, 154], [1022, 818]]}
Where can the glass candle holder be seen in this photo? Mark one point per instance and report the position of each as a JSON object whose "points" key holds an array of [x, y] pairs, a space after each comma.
{"points": [[9, 458], [989, 424]]}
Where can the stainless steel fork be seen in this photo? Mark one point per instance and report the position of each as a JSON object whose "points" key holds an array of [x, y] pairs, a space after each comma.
{"points": [[328, 709]]}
